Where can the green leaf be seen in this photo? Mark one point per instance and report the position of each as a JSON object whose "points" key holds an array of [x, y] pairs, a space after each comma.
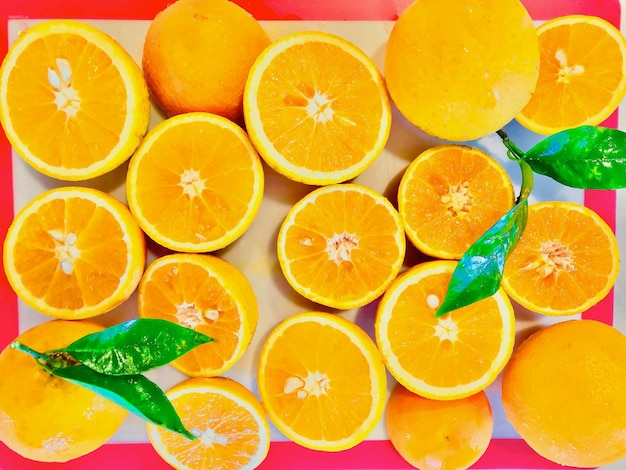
{"points": [[136, 393], [479, 271], [586, 157], [134, 346]]}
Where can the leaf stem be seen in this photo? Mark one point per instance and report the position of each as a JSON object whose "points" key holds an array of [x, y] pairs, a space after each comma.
{"points": [[22, 347], [514, 152]]}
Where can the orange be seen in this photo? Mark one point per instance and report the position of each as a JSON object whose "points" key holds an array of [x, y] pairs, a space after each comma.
{"points": [[74, 253], [195, 183], [462, 70], [439, 434], [207, 294], [448, 357], [322, 381], [341, 245], [582, 74], [566, 261], [197, 55], [46, 418], [564, 391], [52, 84], [449, 196], [316, 108], [230, 424]]}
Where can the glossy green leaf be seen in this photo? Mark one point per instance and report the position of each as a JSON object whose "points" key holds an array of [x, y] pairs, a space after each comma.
{"points": [[136, 393], [134, 346], [587, 157], [479, 271]]}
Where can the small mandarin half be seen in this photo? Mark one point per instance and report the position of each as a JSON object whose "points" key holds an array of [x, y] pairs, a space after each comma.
{"points": [[316, 108], [449, 196], [205, 293], [195, 183], [73, 102], [74, 252], [447, 357], [322, 381], [341, 245]]}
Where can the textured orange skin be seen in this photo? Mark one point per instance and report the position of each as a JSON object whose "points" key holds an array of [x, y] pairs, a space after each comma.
{"points": [[564, 391], [439, 434], [462, 70], [46, 418], [197, 55]]}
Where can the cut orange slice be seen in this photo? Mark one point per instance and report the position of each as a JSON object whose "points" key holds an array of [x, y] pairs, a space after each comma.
{"points": [[316, 108], [195, 183], [341, 245], [448, 357], [230, 424], [322, 381], [73, 103], [207, 294], [582, 74], [566, 261], [74, 253], [449, 196]]}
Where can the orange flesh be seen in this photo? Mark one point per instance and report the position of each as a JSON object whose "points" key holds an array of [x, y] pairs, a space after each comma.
{"points": [[95, 130]]}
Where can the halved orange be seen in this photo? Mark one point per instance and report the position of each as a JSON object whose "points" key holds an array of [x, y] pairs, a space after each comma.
{"points": [[566, 261], [195, 183], [74, 253], [73, 102], [230, 424], [341, 245], [582, 74], [316, 108], [448, 357], [205, 293], [322, 381], [449, 196]]}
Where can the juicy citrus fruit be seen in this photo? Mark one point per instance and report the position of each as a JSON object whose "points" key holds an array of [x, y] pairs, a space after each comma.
{"points": [[341, 245], [73, 103], [74, 253], [197, 55], [582, 74], [231, 425], [447, 357], [47, 418], [316, 108], [439, 434], [207, 294], [462, 70], [195, 183], [449, 196], [566, 261], [564, 391], [322, 381]]}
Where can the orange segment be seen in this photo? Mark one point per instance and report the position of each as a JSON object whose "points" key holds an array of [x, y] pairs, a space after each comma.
{"points": [[453, 356], [196, 183], [341, 245], [566, 261], [230, 423], [207, 294], [73, 102], [582, 74], [449, 196], [316, 108], [322, 381], [74, 253]]}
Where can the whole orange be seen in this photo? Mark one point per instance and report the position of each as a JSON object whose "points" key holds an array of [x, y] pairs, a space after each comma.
{"points": [[439, 434], [461, 70], [46, 418], [564, 391], [197, 55]]}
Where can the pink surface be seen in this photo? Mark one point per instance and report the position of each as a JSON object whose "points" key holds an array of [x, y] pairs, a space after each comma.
{"points": [[501, 454]]}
